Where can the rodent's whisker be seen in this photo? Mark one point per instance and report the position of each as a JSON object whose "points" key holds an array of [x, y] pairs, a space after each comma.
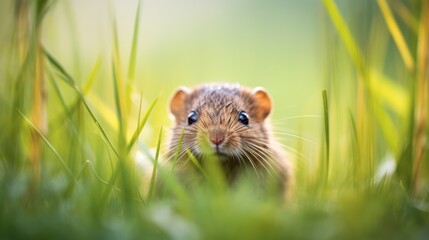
{"points": [[173, 154], [263, 153], [180, 154], [303, 157], [298, 117], [251, 162], [266, 143], [265, 157], [238, 157], [294, 151], [174, 144], [261, 159], [185, 145], [250, 139], [296, 136], [264, 150]]}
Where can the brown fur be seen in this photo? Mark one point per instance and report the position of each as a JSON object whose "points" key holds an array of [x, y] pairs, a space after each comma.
{"points": [[244, 147]]}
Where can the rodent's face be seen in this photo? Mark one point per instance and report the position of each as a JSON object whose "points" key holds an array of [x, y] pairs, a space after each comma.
{"points": [[221, 119]]}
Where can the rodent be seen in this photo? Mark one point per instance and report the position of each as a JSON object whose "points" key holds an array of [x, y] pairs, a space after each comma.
{"points": [[230, 122]]}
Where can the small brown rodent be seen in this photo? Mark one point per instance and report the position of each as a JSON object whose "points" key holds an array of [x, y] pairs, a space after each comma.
{"points": [[231, 123]]}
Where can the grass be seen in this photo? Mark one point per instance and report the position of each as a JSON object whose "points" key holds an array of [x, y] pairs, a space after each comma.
{"points": [[68, 167]]}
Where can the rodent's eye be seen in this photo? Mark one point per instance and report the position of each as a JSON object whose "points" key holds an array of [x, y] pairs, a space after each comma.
{"points": [[243, 118], [192, 117]]}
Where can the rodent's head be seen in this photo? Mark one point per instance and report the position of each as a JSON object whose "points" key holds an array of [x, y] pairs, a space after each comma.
{"points": [[227, 120]]}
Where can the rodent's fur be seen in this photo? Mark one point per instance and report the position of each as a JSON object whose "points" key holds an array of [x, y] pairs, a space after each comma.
{"points": [[250, 147]]}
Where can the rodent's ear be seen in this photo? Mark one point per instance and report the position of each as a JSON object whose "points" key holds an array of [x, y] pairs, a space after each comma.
{"points": [[177, 103], [263, 101]]}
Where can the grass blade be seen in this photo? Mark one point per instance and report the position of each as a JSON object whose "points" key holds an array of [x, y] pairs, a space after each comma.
{"points": [[140, 126], [54, 151], [394, 96], [120, 98], [69, 80], [117, 87], [326, 118], [344, 32], [396, 34], [133, 53], [76, 102], [155, 166], [92, 76], [406, 15], [197, 164], [91, 166], [66, 76], [356, 150], [104, 111], [420, 134]]}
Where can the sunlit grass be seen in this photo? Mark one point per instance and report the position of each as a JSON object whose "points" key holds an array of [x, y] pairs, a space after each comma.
{"points": [[68, 166]]}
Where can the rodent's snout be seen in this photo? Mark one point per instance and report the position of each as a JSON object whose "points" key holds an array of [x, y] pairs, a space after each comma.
{"points": [[217, 136]]}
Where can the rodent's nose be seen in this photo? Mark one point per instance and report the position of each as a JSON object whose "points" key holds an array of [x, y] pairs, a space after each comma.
{"points": [[217, 138]]}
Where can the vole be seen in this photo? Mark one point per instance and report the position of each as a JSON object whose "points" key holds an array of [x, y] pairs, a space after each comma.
{"points": [[231, 123]]}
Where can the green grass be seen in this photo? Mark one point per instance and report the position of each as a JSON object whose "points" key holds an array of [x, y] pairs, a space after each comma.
{"points": [[68, 147]]}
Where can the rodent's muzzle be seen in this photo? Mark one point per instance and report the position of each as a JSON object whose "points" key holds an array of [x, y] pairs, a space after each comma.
{"points": [[217, 136]]}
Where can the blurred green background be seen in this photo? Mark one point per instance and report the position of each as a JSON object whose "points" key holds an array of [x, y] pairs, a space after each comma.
{"points": [[78, 79]]}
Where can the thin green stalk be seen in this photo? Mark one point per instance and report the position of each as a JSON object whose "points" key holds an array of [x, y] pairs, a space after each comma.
{"points": [[396, 34], [50, 146], [133, 53], [141, 124], [326, 115], [66, 77], [155, 166], [122, 108], [197, 164]]}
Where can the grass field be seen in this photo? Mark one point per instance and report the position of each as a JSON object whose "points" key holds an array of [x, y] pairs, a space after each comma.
{"points": [[84, 90]]}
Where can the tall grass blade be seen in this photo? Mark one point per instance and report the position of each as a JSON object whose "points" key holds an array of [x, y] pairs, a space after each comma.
{"points": [[76, 103], [133, 53], [396, 34], [120, 97], [68, 118], [420, 134], [356, 149], [66, 76], [97, 123], [326, 118], [197, 164], [39, 109], [69, 80], [344, 32], [155, 166], [54, 151], [406, 15], [104, 110], [141, 124], [388, 127], [92, 76], [91, 166], [117, 87], [392, 95]]}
